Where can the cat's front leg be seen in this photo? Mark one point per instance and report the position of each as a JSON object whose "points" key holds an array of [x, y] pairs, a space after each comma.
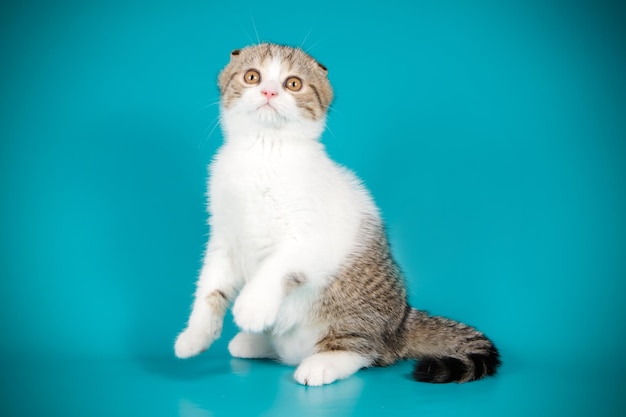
{"points": [[216, 286], [257, 306]]}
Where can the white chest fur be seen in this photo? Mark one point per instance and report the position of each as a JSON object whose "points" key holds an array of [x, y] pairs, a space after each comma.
{"points": [[269, 191]]}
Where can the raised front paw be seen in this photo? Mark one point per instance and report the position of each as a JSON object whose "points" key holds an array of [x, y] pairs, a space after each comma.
{"points": [[192, 342], [255, 312]]}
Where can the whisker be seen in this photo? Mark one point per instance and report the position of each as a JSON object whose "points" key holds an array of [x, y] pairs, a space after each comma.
{"points": [[247, 34], [255, 29], [329, 117], [334, 109], [305, 38], [307, 50], [215, 123], [330, 130], [206, 106]]}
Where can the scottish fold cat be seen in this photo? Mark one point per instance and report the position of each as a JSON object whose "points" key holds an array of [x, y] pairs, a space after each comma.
{"points": [[298, 247]]}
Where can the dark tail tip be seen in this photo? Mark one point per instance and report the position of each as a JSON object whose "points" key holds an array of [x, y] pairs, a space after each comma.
{"points": [[439, 370], [449, 369]]}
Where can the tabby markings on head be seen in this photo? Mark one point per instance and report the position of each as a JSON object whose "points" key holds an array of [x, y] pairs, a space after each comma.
{"points": [[283, 69]]}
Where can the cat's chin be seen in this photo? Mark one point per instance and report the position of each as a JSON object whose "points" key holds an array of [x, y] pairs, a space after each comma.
{"points": [[268, 119], [264, 117]]}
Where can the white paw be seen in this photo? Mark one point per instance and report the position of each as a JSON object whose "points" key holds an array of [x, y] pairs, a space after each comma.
{"points": [[327, 367], [251, 346], [255, 312], [192, 342]]}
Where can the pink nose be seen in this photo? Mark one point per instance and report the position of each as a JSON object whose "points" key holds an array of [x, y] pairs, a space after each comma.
{"points": [[269, 93]]}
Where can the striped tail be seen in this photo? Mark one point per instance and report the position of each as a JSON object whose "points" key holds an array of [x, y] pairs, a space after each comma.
{"points": [[448, 351]]}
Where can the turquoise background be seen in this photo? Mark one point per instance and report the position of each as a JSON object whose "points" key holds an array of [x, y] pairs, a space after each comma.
{"points": [[491, 133]]}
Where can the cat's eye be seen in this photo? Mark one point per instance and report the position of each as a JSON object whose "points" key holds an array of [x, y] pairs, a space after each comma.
{"points": [[293, 84], [252, 77]]}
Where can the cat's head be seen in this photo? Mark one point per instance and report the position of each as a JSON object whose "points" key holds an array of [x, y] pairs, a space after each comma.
{"points": [[272, 87]]}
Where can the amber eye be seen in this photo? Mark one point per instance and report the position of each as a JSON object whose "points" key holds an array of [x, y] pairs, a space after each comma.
{"points": [[293, 84], [252, 77]]}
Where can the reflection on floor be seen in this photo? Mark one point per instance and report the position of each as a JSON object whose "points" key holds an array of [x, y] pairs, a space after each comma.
{"points": [[214, 385]]}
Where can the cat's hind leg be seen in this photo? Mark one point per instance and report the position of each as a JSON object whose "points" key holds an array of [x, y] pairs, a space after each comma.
{"points": [[252, 346], [327, 367]]}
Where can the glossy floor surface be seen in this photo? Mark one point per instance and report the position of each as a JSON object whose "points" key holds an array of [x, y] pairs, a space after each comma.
{"points": [[492, 134], [214, 385]]}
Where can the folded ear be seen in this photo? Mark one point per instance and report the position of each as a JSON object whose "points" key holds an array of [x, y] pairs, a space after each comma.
{"points": [[323, 68], [234, 53]]}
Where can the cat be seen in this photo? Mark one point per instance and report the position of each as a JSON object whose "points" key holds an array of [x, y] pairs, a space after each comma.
{"points": [[298, 246]]}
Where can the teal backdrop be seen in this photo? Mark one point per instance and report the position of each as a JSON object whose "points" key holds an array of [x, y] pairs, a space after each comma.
{"points": [[491, 133]]}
